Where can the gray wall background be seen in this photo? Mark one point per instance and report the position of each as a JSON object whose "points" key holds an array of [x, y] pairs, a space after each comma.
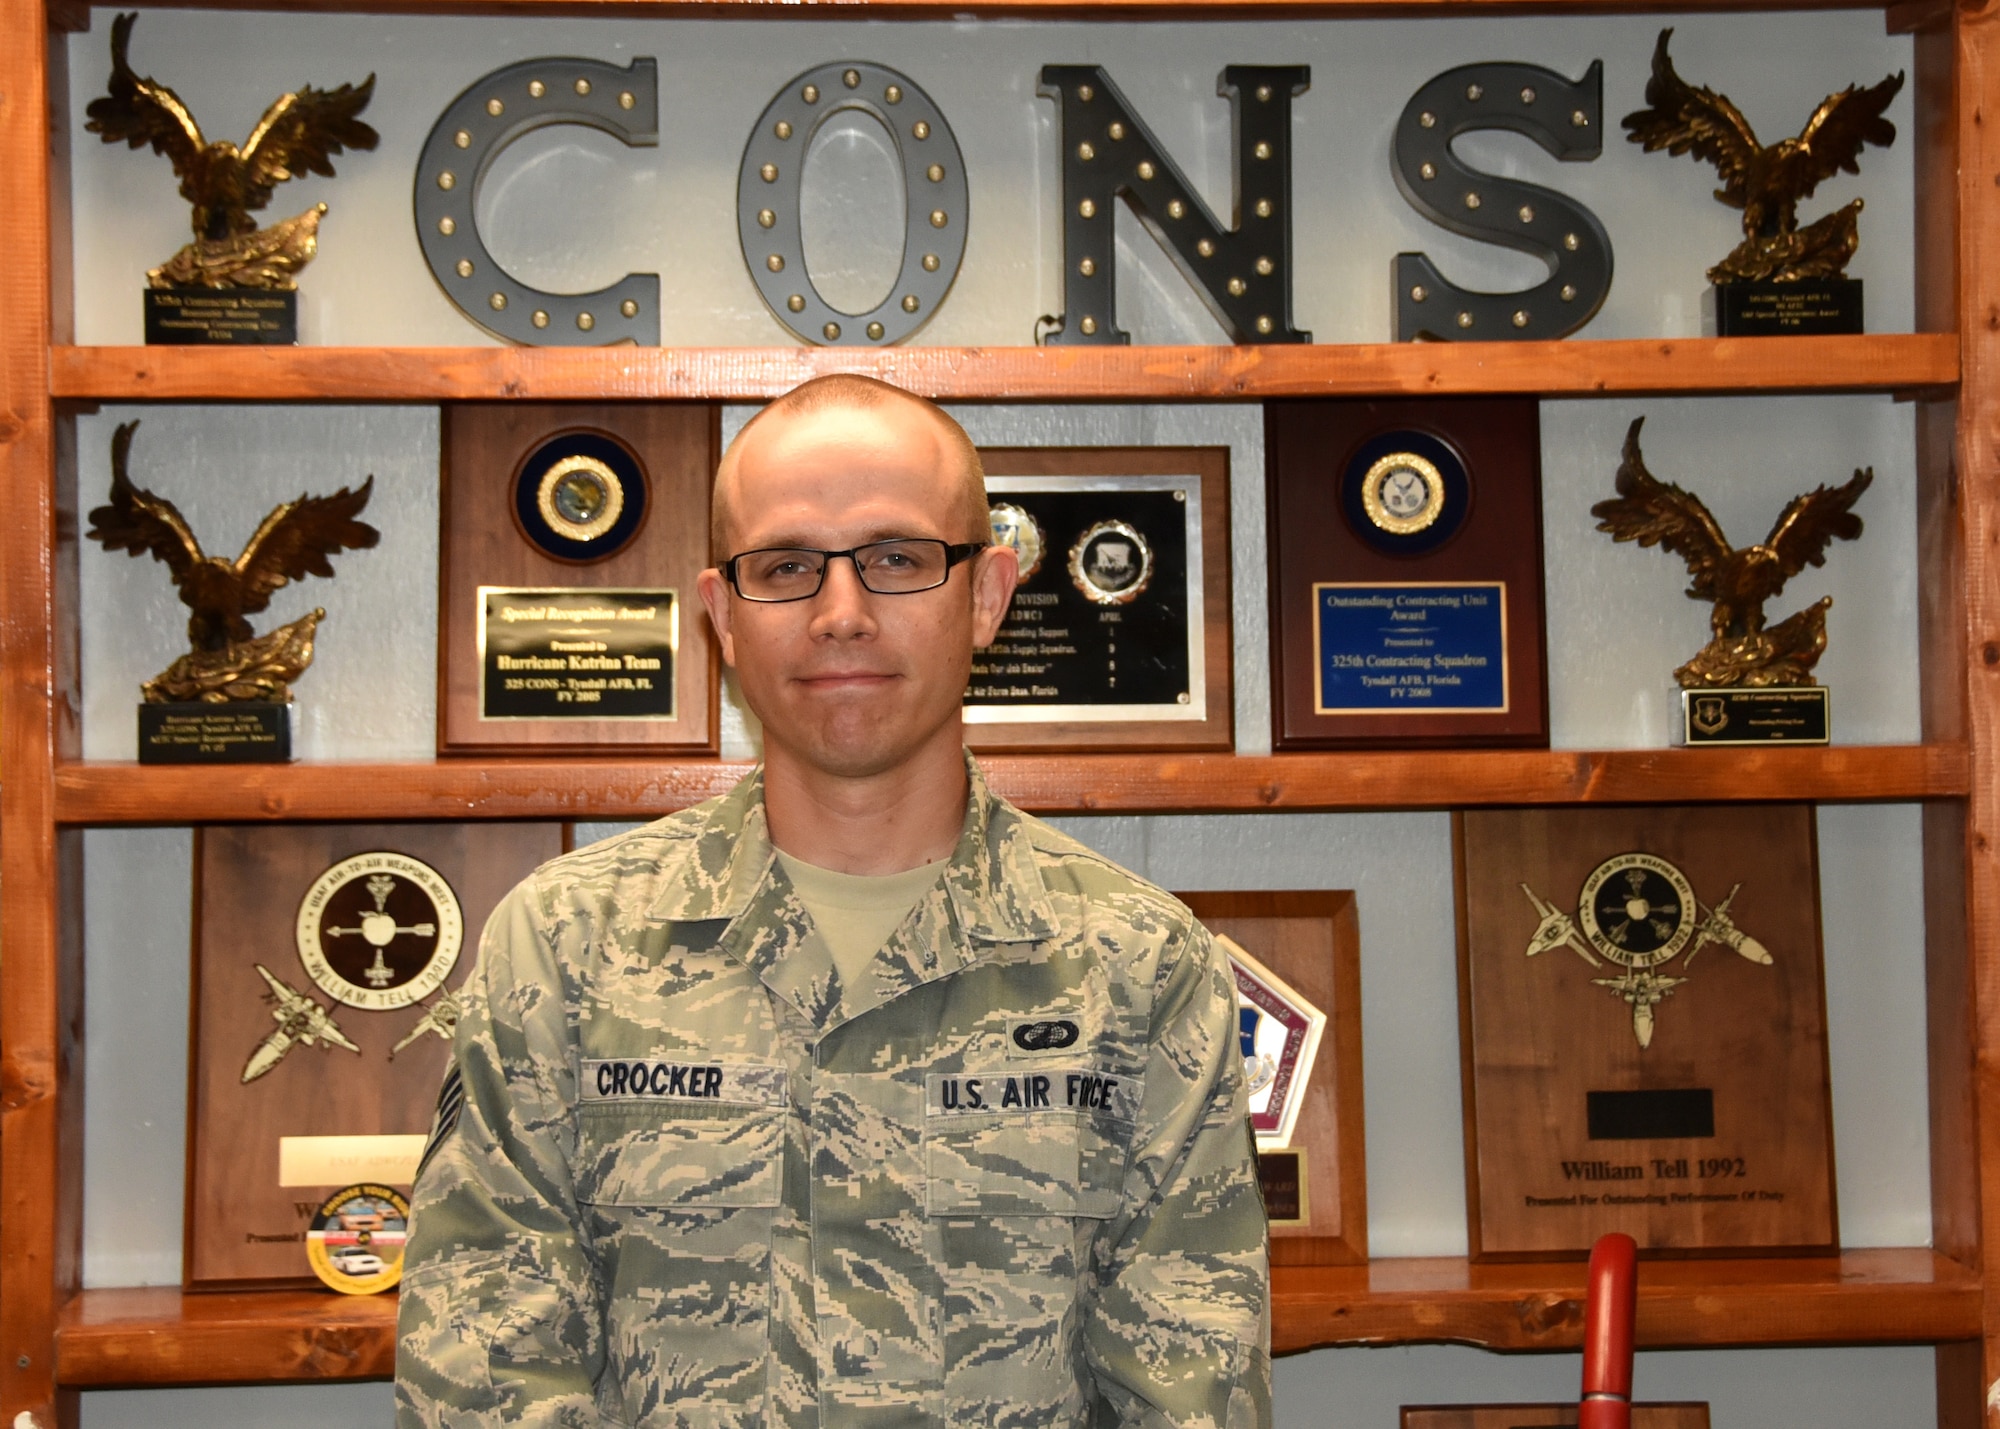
{"points": [[570, 211]]}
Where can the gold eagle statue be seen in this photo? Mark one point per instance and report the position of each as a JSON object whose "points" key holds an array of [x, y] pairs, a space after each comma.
{"points": [[1741, 650], [299, 134], [229, 661], [1767, 181]]}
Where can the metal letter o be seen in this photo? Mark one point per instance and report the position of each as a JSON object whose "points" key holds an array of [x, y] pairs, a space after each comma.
{"points": [[767, 209]]}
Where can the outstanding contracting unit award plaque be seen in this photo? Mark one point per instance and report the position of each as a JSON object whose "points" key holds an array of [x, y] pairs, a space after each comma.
{"points": [[1118, 635], [571, 539], [1296, 959], [1643, 1008], [1406, 573], [327, 964]]}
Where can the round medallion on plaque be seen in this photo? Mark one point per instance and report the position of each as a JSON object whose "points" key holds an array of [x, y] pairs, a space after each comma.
{"points": [[1015, 528], [379, 930], [355, 1241], [1405, 493], [580, 496], [1637, 910], [1111, 563]]}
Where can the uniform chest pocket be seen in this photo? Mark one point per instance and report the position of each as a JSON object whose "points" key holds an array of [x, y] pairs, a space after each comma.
{"points": [[1045, 1144], [721, 1158]]}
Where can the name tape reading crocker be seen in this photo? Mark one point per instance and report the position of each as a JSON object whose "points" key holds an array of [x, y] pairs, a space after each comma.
{"points": [[647, 1079], [1059, 1089]]}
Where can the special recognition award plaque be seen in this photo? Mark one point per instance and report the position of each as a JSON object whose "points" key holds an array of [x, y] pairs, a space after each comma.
{"points": [[327, 964], [571, 539], [1296, 957], [1406, 573], [1644, 1031], [1118, 636]]}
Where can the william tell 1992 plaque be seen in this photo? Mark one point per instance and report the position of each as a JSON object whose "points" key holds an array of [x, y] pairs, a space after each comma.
{"points": [[1644, 1017]]}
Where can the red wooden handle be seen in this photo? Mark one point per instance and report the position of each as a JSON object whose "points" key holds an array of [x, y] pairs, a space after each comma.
{"points": [[1608, 1312]]}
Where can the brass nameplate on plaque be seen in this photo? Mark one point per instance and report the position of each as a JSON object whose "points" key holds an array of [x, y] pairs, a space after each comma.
{"points": [[577, 654]]}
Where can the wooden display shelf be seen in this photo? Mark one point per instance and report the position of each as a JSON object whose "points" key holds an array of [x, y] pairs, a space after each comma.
{"points": [[166, 1336], [119, 793], [66, 12], [1859, 1297], [1896, 362]]}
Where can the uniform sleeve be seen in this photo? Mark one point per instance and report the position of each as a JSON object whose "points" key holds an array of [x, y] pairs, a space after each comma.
{"points": [[501, 1320], [1177, 1327]]}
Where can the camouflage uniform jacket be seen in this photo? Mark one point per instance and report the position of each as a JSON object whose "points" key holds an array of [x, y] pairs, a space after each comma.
{"points": [[682, 1176]]}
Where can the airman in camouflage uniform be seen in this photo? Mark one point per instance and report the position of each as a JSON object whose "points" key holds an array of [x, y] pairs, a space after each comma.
{"points": [[682, 1175]]}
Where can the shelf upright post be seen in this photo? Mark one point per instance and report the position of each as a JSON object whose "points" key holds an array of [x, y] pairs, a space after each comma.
{"points": [[41, 985], [1957, 54]]}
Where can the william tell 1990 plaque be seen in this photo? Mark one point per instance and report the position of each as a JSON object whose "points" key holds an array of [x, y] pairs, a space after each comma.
{"points": [[1118, 635]]}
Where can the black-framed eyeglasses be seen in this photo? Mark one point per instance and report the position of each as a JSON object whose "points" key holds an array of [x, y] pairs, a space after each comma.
{"points": [[900, 567]]}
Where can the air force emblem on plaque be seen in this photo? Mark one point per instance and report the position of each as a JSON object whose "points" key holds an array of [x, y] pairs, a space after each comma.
{"points": [[1279, 1032], [1639, 912]]}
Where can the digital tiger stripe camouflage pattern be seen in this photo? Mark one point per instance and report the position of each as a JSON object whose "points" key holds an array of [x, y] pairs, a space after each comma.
{"points": [[695, 1181]]}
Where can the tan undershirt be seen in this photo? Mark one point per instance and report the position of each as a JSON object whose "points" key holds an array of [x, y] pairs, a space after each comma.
{"points": [[855, 913]]}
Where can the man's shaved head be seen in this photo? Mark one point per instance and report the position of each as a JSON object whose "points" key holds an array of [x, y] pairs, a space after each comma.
{"points": [[846, 391]]}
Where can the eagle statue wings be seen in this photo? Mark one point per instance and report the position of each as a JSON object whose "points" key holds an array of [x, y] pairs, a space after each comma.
{"points": [[1741, 650], [1767, 182], [229, 661], [299, 134]]}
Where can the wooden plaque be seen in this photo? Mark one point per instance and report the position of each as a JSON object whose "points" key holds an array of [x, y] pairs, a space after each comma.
{"points": [[242, 1225], [1312, 940], [1544, 1416], [1644, 1031], [1135, 655], [1406, 573], [490, 563]]}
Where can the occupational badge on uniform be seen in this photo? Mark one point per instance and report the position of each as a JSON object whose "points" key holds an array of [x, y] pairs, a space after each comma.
{"points": [[1278, 1032], [355, 1242]]}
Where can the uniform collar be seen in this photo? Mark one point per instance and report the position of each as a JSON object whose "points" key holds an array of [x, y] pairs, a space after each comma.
{"points": [[991, 892]]}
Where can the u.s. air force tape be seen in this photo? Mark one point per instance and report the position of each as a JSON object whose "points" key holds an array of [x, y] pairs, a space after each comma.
{"points": [[648, 1079], [1009, 1093]]}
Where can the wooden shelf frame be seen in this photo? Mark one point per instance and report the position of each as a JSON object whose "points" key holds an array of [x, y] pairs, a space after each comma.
{"points": [[1865, 1297], [1893, 362], [68, 14], [111, 794], [1951, 367]]}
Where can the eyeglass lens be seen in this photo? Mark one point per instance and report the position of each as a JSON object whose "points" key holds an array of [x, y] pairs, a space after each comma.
{"points": [[886, 567]]}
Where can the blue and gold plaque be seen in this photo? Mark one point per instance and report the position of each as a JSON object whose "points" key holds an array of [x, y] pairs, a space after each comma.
{"points": [[1431, 646], [1406, 573]]}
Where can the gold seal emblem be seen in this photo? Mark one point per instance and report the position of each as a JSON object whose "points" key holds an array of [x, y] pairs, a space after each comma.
{"points": [[1111, 563], [379, 931], [1403, 494], [581, 498], [1015, 528]]}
